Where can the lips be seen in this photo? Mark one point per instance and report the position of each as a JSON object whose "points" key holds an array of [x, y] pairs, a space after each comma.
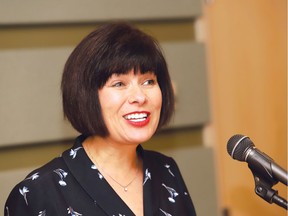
{"points": [[138, 118]]}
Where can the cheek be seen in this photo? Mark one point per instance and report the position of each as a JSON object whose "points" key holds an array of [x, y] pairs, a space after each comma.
{"points": [[157, 99], [110, 111], [108, 100]]}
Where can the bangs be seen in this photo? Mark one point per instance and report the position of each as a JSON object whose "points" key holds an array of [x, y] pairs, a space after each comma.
{"points": [[141, 54]]}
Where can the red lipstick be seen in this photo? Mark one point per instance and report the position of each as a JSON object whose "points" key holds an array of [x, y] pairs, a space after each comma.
{"points": [[138, 119]]}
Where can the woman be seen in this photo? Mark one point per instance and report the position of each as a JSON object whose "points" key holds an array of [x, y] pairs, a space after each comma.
{"points": [[117, 93]]}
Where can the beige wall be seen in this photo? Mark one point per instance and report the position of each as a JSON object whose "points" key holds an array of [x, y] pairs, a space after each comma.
{"points": [[248, 79]]}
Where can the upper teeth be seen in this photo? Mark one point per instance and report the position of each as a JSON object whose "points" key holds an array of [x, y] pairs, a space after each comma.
{"points": [[136, 116]]}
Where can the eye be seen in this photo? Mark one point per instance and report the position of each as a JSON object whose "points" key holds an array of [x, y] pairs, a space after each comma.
{"points": [[118, 84], [149, 82]]}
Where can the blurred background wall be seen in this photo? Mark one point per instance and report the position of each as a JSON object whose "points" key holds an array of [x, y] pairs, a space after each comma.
{"points": [[245, 44]]}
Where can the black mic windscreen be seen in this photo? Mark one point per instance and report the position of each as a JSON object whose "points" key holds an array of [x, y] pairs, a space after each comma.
{"points": [[238, 145]]}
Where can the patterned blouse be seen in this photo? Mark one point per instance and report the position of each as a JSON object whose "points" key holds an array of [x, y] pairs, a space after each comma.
{"points": [[72, 185]]}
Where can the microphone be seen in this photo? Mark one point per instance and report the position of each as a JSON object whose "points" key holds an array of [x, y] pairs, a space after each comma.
{"points": [[241, 148]]}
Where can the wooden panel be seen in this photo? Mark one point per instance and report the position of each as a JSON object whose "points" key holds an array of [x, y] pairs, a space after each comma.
{"points": [[248, 77]]}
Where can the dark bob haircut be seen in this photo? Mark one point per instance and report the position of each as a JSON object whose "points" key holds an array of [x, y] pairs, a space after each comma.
{"points": [[115, 48]]}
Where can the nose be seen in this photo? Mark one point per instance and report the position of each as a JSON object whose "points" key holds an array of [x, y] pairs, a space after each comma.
{"points": [[137, 95]]}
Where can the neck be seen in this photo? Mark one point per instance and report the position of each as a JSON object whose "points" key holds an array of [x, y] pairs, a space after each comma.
{"points": [[111, 156]]}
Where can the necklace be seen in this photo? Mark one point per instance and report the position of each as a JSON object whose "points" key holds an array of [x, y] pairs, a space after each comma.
{"points": [[125, 187]]}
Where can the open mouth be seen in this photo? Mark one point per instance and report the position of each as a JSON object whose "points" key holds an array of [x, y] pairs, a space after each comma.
{"points": [[137, 117]]}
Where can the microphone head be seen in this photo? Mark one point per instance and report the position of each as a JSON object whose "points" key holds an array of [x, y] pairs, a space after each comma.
{"points": [[238, 145]]}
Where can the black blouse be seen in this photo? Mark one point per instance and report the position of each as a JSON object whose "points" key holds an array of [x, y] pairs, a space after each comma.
{"points": [[72, 185]]}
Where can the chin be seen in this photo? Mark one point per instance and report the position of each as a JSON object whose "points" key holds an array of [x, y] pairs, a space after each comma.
{"points": [[139, 135], [140, 139]]}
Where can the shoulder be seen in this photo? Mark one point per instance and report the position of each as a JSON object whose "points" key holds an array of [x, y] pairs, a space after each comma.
{"points": [[163, 177], [160, 163], [38, 182], [156, 156], [40, 175], [46, 170]]}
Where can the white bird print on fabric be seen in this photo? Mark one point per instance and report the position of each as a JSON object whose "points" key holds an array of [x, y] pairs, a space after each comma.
{"points": [[100, 176], [73, 152], [33, 177], [168, 167], [42, 213], [165, 213], [172, 193], [72, 212], [24, 192], [147, 176], [94, 167], [62, 174], [7, 211]]}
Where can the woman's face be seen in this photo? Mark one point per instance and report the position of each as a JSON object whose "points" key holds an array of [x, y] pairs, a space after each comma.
{"points": [[131, 105]]}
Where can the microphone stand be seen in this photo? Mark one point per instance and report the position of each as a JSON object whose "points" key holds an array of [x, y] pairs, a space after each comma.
{"points": [[263, 188]]}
